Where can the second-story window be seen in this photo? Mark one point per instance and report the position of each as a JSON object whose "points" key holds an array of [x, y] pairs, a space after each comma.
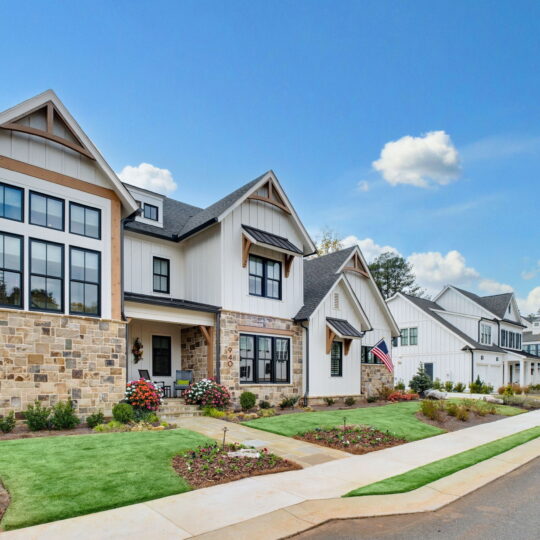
{"points": [[11, 202], [413, 336], [46, 276], [84, 282], [264, 277], [405, 336], [46, 211], [485, 334], [84, 220], [11, 268], [150, 212], [161, 275]]}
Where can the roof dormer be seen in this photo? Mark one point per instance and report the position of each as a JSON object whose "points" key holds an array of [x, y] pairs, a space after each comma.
{"points": [[150, 205]]}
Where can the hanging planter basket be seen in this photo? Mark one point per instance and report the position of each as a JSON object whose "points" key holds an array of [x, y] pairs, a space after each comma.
{"points": [[137, 351]]}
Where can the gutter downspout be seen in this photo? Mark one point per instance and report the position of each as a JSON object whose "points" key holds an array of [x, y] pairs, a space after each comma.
{"points": [[218, 346], [306, 392], [472, 365]]}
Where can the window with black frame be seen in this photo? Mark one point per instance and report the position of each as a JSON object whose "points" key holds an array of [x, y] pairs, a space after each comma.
{"points": [[161, 356], [85, 282], [336, 359], [150, 212], [84, 220], [11, 202], [367, 357], [11, 269], [264, 277], [264, 359], [161, 275], [46, 211], [46, 276]]}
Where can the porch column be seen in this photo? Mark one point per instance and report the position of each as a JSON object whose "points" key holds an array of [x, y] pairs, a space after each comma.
{"points": [[522, 365], [506, 373], [208, 333]]}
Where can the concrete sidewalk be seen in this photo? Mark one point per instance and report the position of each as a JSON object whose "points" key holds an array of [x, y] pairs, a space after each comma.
{"points": [[293, 498]]}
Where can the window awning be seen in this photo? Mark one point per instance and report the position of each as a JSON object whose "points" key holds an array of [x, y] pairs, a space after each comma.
{"points": [[343, 328], [257, 236]]}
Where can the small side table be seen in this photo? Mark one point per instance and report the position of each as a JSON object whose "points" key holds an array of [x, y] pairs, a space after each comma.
{"points": [[166, 391]]}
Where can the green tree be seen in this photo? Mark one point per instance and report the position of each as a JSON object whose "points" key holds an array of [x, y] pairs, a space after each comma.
{"points": [[421, 381], [329, 243], [394, 274]]}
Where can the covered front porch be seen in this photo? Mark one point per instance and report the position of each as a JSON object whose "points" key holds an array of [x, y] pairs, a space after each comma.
{"points": [[165, 336], [523, 370]]}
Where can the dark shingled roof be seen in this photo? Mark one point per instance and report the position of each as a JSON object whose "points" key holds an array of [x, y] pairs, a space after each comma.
{"points": [[496, 304], [523, 353], [529, 337], [169, 302], [320, 275], [271, 239], [345, 328], [428, 306]]}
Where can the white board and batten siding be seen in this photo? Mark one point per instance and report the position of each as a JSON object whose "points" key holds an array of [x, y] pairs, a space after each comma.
{"points": [[466, 323], [321, 381], [456, 302], [235, 278]]}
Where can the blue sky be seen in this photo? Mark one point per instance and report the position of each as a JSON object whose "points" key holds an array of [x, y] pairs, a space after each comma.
{"points": [[219, 92]]}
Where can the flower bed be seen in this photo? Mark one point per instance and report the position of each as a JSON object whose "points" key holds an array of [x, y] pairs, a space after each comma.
{"points": [[207, 393], [211, 465], [352, 439]]}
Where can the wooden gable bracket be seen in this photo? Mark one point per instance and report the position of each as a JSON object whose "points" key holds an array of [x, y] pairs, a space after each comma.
{"points": [[356, 266], [330, 335], [246, 245], [272, 198], [347, 346], [208, 335], [48, 133], [288, 263]]}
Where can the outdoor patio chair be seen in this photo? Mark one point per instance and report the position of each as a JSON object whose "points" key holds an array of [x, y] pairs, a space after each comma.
{"points": [[184, 377], [145, 374]]}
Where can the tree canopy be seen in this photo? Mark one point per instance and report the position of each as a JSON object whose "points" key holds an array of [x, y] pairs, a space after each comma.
{"points": [[394, 274], [329, 243]]}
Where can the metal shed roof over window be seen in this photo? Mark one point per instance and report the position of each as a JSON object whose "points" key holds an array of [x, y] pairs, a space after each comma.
{"points": [[343, 328], [273, 240]]}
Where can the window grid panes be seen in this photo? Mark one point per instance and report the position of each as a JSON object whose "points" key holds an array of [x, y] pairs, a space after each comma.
{"points": [[11, 202], [161, 356], [85, 282], [46, 211], [485, 334], [413, 336], [150, 212], [161, 275], [46, 276], [336, 359], [84, 220], [367, 357], [264, 277], [11, 268], [264, 359], [404, 336]]}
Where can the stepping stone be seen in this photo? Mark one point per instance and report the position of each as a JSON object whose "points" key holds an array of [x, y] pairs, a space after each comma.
{"points": [[255, 443]]}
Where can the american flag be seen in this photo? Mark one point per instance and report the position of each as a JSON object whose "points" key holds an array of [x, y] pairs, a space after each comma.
{"points": [[380, 350]]}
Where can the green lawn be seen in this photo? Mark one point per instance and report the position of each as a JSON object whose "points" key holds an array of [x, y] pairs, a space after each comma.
{"points": [[503, 410], [54, 478], [397, 418], [444, 467]]}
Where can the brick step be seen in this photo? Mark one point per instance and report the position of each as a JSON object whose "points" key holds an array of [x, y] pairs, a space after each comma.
{"points": [[172, 418]]}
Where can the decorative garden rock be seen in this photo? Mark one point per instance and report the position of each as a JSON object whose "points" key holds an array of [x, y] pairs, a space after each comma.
{"points": [[435, 394], [491, 399], [245, 452]]}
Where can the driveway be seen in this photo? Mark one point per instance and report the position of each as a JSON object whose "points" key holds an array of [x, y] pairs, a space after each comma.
{"points": [[506, 508]]}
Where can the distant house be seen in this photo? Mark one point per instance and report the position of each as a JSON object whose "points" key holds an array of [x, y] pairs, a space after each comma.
{"points": [[460, 336], [531, 335]]}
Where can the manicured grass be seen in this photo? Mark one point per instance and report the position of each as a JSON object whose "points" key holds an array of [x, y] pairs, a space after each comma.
{"points": [[421, 476], [54, 478], [397, 418]]}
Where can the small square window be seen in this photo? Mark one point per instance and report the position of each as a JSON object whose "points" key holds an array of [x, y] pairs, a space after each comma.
{"points": [[150, 212]]}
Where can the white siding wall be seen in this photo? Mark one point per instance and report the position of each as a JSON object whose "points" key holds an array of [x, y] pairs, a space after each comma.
{"points": [[235, 278], [468, 325], [321, 382], [139, 252], [452, 300]]}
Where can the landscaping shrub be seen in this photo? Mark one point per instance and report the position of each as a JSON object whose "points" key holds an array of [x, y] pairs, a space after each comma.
{"points": [[451, 408], [479, 387], [289, 402], [400, 386], [247, 400], [462, 413], [7, 422], [123, 413], [534, 388], [95, 420], [371, 399], [510, 389], [421, 381], [113, 425], [459, 387], [401, 396], [265, 404], [522, 401], [448, 386], [329, 401], [143, 395], [37, 418], [266, 413], [213, 412], [149, 417], [432, 409], [63, 416], [208, 392], [384, 391], [437, 384], [349, 401]]}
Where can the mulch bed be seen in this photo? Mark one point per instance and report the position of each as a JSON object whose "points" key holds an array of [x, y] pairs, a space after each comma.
{"points": [[450, 423], [210, 465], [21, 431], [352, 439], [4, 500]]}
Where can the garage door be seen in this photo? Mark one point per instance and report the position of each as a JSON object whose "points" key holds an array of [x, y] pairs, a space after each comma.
{"points": [[490, 375]]}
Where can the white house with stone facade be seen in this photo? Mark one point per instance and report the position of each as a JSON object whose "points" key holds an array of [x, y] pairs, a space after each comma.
{"points": [[459, 336], [101, 280]]}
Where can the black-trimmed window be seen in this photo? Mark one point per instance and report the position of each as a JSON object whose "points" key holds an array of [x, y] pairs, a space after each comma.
{"points": [[161, 356], [84, 220], [404, 337], [151, 212], [11, 270], [264, 277], [264, 359], [413, 336], [84, 281], [46, 276], [367, 357], [336, 359], [161, 275], [46, 211], [11, 202]]}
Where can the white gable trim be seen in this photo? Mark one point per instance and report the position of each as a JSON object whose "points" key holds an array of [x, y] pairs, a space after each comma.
{"points": [[465, 296], [26, 107]]}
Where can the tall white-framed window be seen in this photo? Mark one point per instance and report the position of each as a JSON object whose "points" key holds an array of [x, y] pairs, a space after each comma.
{"points": [[485, 334]]}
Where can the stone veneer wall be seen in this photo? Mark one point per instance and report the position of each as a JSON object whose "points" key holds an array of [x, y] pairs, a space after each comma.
{"points": [[373, 376], [230, 354], [194, 352], [53, 358]]}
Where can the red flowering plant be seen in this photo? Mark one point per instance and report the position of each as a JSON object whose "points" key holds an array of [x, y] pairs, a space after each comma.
{"points": [[401, 396], [207, 393], [143, 395]]}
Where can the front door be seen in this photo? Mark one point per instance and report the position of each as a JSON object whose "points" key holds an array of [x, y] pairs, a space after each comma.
{"points": [[429, 369]]}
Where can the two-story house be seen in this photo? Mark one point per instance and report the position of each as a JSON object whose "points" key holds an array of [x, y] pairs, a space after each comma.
{"points": [[100, 280], [459, 336]]}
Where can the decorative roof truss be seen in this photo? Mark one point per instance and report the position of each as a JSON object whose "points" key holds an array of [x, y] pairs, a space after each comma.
{"points": [[269, 194], [356, 265]]}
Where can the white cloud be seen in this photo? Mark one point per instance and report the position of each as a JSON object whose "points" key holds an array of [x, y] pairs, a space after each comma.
{"points": [[419, 161], [363, 185], [531, 304], [369, 248], [490, 286], [148, 177]]}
